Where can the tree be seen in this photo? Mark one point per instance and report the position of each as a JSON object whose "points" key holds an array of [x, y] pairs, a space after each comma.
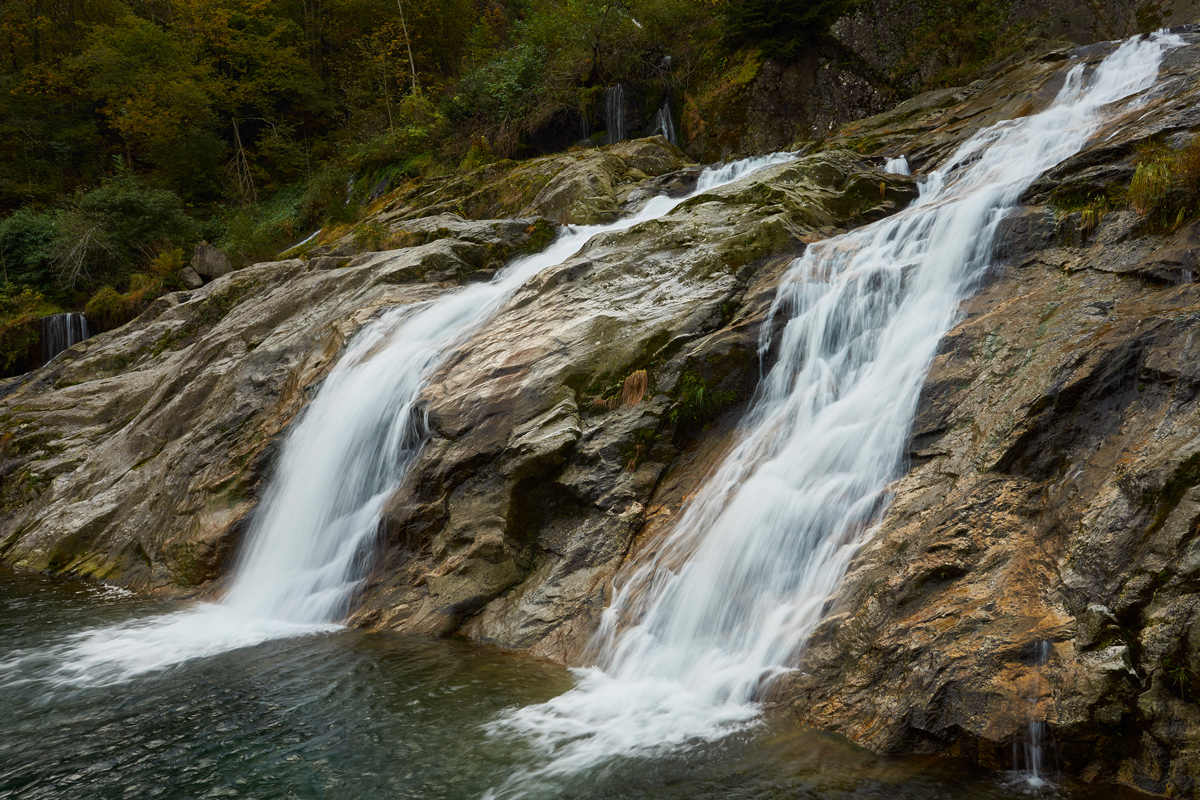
{"points": [[782, 28]]}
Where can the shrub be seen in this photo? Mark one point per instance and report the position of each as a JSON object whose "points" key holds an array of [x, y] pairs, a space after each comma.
{"points": [[110, 309], [1165, 189], [20, 310], [27, 240]]}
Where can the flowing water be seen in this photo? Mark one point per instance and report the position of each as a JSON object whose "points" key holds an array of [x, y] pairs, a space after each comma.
{"points": [[340, 462], [614, 113], [897, 166], [60, 331], [664, 122], [349, 715], [725, 603]]}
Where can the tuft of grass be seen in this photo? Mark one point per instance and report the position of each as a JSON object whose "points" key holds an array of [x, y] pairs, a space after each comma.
{"points": [[634, 389], [1165, 189]]}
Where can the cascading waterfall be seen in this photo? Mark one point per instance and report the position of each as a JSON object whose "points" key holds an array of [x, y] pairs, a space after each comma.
{"points": [[60, 331], [614, 112], [897, 166], [727, 601], [340, 462]]}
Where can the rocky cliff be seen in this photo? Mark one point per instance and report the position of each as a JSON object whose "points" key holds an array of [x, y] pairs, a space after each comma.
{"points": [[1051, 494]]}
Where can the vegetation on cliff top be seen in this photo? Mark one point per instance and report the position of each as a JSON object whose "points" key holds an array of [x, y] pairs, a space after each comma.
{"points": [[130, 129]]}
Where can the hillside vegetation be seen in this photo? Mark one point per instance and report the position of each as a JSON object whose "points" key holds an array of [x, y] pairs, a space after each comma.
{"points": [[132, 129]]}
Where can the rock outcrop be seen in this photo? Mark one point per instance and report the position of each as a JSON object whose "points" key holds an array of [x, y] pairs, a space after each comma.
{"points": [[137, 456]]}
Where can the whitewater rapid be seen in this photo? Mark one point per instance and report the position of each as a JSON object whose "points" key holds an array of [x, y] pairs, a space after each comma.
{"points": [[347, 453], [727, 602]]}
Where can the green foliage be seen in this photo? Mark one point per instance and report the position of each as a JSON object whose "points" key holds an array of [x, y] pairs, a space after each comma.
{"points": [[21, 308], [110, 309], [958, 37], [259, 232], [782, 29], [1165, 188], [371, 236], [27, 240], [696, 404]]}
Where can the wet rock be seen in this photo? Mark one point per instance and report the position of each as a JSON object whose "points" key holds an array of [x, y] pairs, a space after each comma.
{"points": [[536, 464]]}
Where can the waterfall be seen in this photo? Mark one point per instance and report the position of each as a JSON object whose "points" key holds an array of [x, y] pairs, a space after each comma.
{"points": [[664, 123], [1029, 756], [60, 331], [897, 166], [614, 110], [727, 601], [340, 462]]}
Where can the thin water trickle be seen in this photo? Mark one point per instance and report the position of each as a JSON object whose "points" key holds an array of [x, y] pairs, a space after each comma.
{"points": [[614, 108], [340, 462], [726, 602], [664, 122], [1030, 762]]}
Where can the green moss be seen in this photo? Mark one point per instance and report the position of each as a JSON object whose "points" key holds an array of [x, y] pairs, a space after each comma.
{"points": [[696, 404]]}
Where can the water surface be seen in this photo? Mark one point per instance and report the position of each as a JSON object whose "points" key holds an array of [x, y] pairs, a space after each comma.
{"points": [[350, 714]]}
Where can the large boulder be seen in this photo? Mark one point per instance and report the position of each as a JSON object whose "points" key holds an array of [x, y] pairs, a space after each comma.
{"points": [[209, 262]]}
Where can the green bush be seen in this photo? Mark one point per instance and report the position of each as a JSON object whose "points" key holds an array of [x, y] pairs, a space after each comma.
{"points": [[136, 218], [20, 310], [1165, 189], [110, 309], [27, 241]]}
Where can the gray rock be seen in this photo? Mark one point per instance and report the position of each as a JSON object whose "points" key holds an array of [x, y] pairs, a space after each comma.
{"points": [[190, 279], [210, 263]]}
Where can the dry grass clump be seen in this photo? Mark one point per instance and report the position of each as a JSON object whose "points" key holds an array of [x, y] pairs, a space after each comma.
{"points": [[1166, 184]]}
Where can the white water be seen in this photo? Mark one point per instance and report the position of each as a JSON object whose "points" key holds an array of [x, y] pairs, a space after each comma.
{"points": [[340, 462], [897, 166], [664, 122], [726, 603], [614, 112], [1030, 764], [60, 331]]}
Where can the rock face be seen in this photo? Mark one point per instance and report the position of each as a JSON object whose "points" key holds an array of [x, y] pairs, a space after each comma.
{"points": [[524, 502], [885, 50], [137, 457]]}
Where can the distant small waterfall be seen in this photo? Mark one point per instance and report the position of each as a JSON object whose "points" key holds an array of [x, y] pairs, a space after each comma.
{"points": [[60, 331], [664, 122], [614, 111]]}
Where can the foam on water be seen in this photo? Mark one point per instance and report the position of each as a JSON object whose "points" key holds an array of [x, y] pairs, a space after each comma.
{"points": [[724, 605], [340, 462]]}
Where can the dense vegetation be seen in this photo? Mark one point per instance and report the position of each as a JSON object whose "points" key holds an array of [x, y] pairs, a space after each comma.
{"points": [[131, 129]]}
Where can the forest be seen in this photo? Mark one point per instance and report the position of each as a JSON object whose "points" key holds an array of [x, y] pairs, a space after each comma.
{"points": [[132, 129]]}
